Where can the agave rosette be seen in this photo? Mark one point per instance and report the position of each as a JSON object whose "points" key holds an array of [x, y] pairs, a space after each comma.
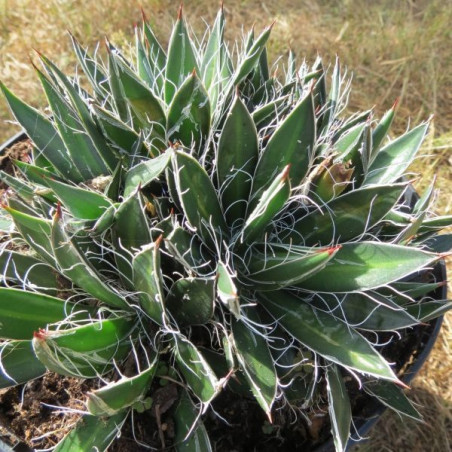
{"points": [[202, 215]]}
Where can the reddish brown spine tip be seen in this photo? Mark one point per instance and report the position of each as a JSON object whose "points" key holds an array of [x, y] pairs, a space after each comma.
{"points": [[40, 334], [158, 241], [143, 14], [58, 213], [272, 24], [222, 5], [402, 384], [179, 13], [285, 174], [396, 103], [333, 249], [193, 72]]}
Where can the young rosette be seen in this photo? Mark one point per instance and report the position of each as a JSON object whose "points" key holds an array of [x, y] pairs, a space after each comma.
{"points": [[192, 218]]}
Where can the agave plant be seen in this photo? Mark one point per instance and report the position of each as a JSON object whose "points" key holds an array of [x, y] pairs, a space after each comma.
{"points": [[211, 224]]}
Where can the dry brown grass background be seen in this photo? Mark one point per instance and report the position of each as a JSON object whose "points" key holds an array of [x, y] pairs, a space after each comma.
{"points": [[394, 49]]}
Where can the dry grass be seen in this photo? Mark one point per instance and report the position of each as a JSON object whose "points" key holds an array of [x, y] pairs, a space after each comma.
{"points": [[394, 49]]}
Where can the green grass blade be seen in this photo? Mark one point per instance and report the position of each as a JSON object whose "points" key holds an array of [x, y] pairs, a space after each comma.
{"points": [[92, 434], [325, 335], [338, 407], [255, 359], [236, 160], [367, 265], [18, 363]]}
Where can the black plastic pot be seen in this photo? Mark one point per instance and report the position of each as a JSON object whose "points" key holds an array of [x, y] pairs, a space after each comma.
{"points": [[428, 336]]}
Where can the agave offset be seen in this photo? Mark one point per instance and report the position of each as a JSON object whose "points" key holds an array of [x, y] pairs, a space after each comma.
{"points": [[210, 223]]}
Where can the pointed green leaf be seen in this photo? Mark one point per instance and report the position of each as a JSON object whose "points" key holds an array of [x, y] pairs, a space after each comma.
{"points": [[157, 57], [85, 351], [120, 133], [21, 188], [92, 433], [367, 265], [346, 216], [129, 236], [77, 268], [92, 69], [77, 142], [181, 59], [284, 266], [121, 394], [393, 159], [23, 312], [18, 363], [381, 131], [82, 203], [270, 203], [211, 65], [142, 100], [44, 135], [227, 290], [191, 435], [322, 333], [368, 311], [338, 407], [191, 300], [198, 198], [189, 114], [27, 271], [256, 361], [236, 160], [251, 57], [187, 249], [35, 231], [79, 102], [148, 280], [144, 173], [296, 136], [195, 369], [393, 397], [428, 310]]}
